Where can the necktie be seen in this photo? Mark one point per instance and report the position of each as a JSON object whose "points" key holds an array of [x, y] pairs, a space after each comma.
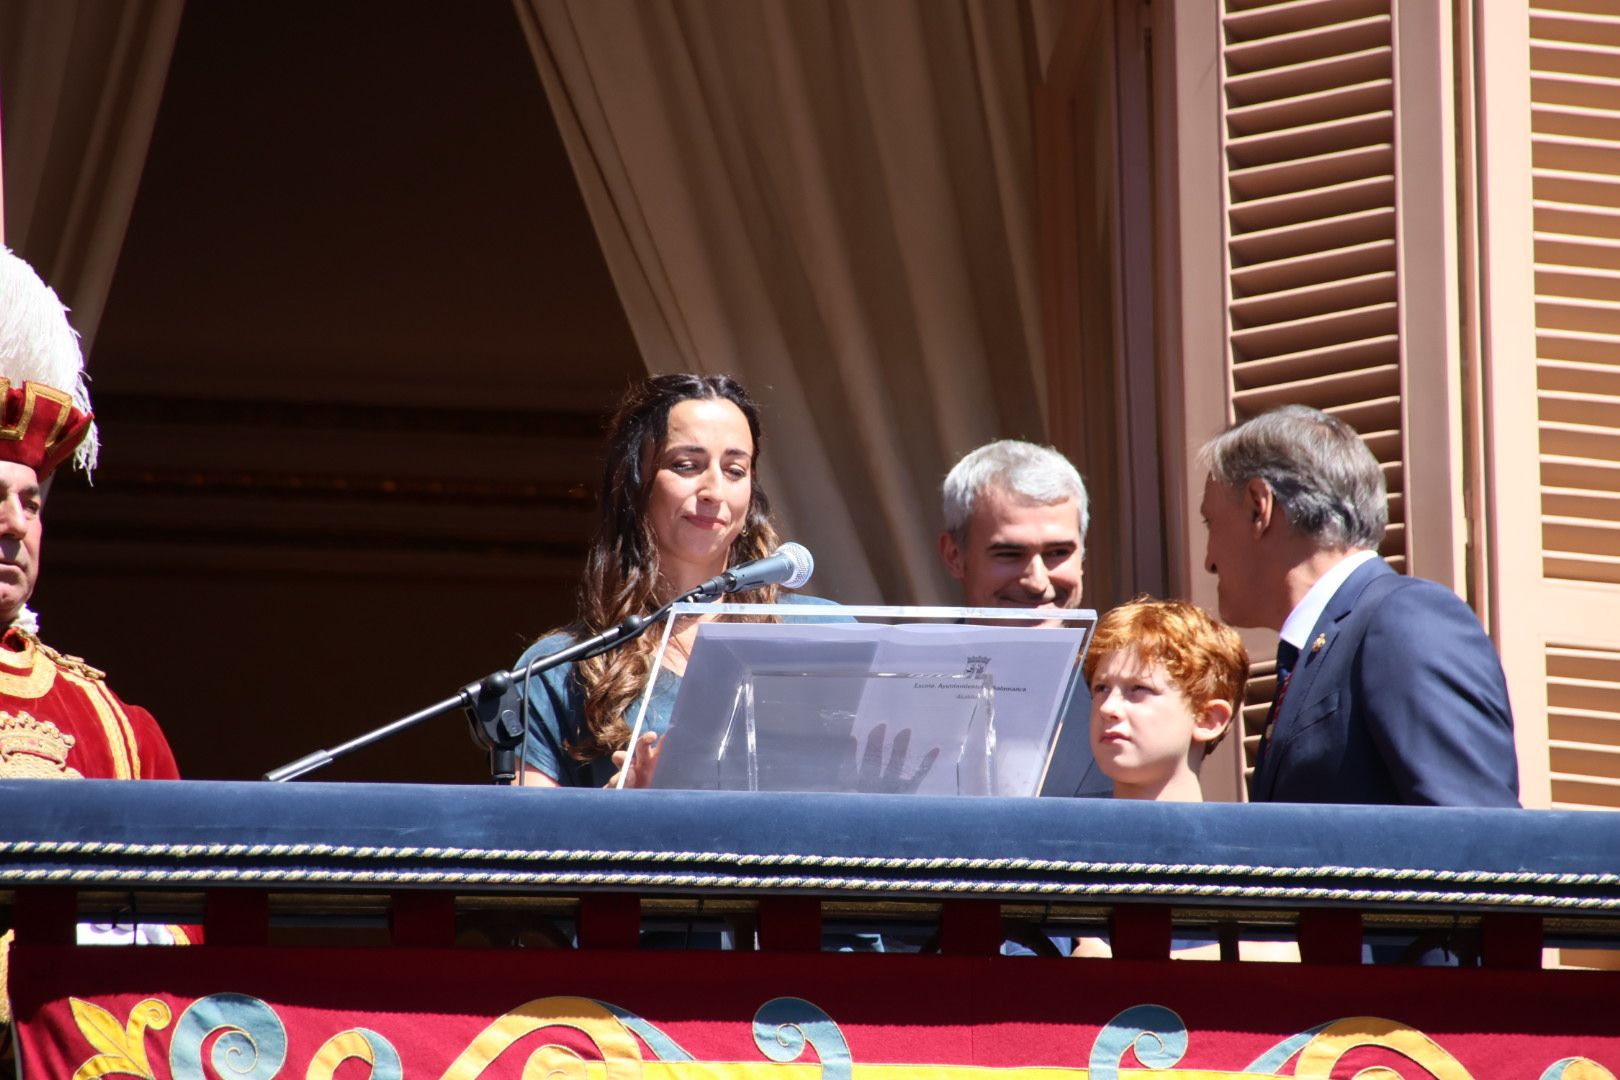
{"points": [[1287, 657]]}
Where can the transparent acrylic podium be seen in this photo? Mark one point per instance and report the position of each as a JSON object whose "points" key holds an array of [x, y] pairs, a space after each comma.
{"points": [[901, 700]]}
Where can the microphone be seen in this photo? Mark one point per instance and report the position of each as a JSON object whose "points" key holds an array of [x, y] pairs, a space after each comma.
{"points": [[790, 567]]}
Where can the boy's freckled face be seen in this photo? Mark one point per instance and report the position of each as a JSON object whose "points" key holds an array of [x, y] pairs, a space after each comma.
{"points": [[1141, 722]]}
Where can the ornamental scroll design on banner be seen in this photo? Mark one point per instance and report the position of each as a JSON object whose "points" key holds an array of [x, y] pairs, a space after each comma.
{"points": [[240, 1037]]}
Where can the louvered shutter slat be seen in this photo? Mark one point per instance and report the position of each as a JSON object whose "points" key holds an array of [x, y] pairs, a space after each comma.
{"points": [[1316, 331], [1299, 303], [1584, 726], [1339, 231], [1310, 76], [1325, 137], [1301, 366], [1569, 471], [1313, 268], [1583, 408], [1576, 503], [1317, 107], [1574, 121], [1568, 313], [1311, 43], [1575, 154], [1594, 29], [1577, 220], [1570, 59], [1272, 19], [1592, 91], [1294, 208], [1311, 173], [1578, 188], [1555, 374], [1579, 282], [1578, 347], [1580, 441], [1341, 387]]}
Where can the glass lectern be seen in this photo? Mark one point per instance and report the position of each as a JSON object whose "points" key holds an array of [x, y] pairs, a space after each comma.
{"points": [[943, 701]]}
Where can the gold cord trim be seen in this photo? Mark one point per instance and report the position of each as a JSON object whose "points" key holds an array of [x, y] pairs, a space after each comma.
{"points": [[681, 864], [116, 726], [921, 886], [27, 675]]}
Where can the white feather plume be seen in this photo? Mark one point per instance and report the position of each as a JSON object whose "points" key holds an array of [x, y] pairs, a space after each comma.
{"points": [[37, 343]]}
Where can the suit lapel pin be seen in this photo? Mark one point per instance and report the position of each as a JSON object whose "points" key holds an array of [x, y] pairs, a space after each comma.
{"points": [[1321, 640]]}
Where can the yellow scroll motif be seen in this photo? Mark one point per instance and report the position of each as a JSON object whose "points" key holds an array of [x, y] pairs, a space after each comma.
{"points": [[621, 1056], [335, 1051], [121, 1048], [1585, 1069], [121, 1051], [1316, 1061]]}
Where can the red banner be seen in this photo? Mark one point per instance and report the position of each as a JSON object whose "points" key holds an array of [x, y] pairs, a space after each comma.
{"points": [[327, 1014]]}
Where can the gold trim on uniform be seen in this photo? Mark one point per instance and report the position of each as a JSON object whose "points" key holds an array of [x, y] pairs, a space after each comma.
{"points": [[132, 745], [5, 963], [33, 749], [22, 674], [30, 674], [75, 664], [32, 392], [64, 410], [120, 735]]}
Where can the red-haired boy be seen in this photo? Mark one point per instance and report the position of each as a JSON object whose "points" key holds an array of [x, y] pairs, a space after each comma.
{"points": [[1165, 680]]}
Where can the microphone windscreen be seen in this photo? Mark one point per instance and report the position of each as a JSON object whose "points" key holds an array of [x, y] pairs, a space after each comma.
{"points": [[803, 563]]}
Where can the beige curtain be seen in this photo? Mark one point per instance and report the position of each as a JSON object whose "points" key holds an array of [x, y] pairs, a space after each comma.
{"points": [[80, 83], [835, 201]]}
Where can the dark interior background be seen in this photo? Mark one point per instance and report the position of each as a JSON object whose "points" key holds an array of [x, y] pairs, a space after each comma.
{"points": [[351, 379]]}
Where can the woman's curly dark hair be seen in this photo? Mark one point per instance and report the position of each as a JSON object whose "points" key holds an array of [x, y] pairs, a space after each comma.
{"points": [[621, 572]]}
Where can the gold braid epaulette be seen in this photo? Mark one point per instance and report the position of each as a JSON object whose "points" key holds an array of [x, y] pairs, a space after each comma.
{"points": [[73, 665]]}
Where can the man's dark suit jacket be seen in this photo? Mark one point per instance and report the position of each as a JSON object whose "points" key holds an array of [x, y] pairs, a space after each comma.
{"points": [[1403, 701]]}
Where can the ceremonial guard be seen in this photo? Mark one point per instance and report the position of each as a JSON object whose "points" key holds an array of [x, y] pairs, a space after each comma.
{"points": [[58, 717]]}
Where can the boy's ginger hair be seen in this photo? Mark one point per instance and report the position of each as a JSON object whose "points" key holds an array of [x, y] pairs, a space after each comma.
{"points": [[1205, 657]]}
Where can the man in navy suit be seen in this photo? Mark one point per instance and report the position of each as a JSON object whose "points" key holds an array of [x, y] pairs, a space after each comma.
{"points": [[1389, 690]]}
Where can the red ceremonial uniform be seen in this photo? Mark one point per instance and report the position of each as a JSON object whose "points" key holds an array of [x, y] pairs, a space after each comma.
{"points": [[59, 720]]}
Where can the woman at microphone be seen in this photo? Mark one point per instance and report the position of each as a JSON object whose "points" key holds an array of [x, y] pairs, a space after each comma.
{"points": [[680, 503]]}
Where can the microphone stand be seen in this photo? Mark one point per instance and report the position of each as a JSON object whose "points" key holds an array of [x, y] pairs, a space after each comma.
{"points": [[492, 703]]}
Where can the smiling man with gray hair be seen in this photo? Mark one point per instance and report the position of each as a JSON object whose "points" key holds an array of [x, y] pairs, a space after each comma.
{"points": [[1388, 689], [1015, 536]]}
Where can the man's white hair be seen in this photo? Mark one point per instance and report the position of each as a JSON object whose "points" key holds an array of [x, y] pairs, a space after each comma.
{"points": [[37, 344], [1037, 473]]}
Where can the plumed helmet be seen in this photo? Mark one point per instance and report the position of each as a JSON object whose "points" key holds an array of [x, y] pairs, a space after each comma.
{"points": [[45, 415]]}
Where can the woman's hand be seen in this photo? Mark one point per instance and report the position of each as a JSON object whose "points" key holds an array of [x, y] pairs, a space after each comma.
{"points": [[642, 767]]}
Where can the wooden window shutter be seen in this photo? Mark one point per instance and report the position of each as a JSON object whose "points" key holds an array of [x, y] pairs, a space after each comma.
{"points": [[1311, 249], [1583, 727], [1551, 213], [1552, 217], [1575, 134], [1310, 157], [1339, 274], [1308, 97]]}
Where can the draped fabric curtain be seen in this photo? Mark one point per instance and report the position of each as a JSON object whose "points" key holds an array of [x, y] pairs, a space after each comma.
{"points": [[80, 84], [834, 201]]}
